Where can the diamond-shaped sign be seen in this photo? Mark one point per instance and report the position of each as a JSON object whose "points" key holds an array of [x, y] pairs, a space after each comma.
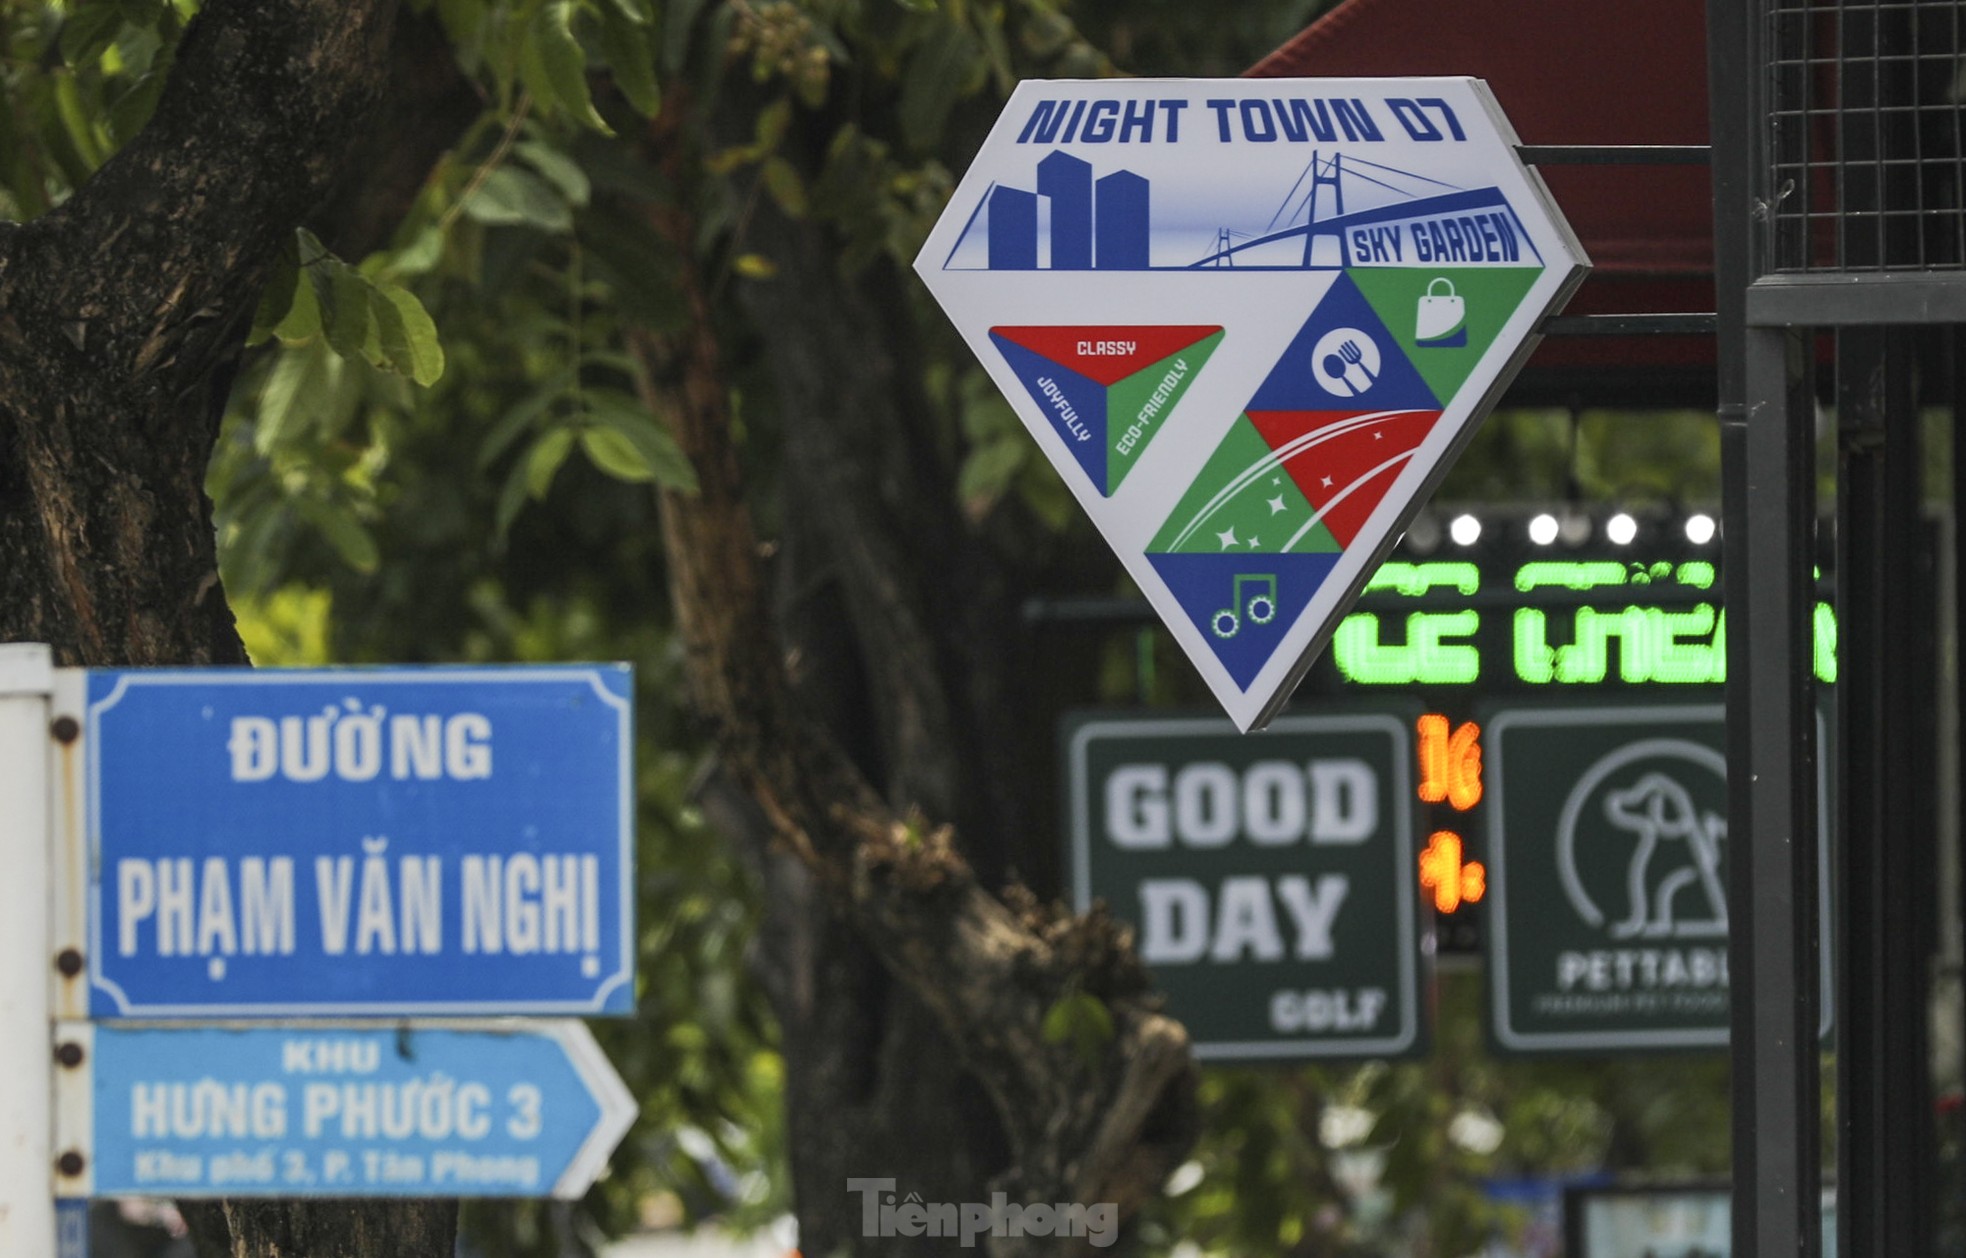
{"points": [[1251, 322]]}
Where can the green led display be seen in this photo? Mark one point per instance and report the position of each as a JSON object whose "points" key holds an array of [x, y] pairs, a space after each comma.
{"points": [[1623, 638]]}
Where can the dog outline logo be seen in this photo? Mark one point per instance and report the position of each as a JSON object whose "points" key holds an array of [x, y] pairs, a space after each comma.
{"points": [[1672, 882]]}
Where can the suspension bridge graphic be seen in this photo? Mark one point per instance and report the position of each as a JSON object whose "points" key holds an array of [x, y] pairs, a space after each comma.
{"points": [[1342, 211]]}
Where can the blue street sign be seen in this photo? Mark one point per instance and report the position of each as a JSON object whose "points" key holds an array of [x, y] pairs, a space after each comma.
{"points": [[519, 1109], [433, 841]]}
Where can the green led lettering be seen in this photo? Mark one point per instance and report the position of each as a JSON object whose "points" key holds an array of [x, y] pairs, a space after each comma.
{"points": [[1654, 645], [1569, 576], [1825, 643], [1355, 648], [1534, 661], [1689, 663], [1363, 658], [1415, 579], [1697, 573], [1442, 663], [1588, 658]]}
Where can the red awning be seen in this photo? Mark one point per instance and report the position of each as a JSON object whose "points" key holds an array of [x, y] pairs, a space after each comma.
{"points": [[1569, 73]]}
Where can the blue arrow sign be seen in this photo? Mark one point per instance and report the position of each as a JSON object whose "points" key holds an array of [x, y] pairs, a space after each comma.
{"points": [[387, 841], [523, 1109]]}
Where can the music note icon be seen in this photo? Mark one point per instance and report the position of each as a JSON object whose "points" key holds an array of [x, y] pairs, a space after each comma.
{"points": [[1260, 605]]}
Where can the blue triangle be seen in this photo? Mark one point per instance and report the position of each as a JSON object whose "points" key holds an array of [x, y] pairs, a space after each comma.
{"points": [[1344, 358], [1075, 405], [1224, 595]]}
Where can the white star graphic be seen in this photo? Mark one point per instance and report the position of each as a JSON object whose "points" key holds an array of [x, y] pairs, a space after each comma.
{"points": [[1254, 543], [1377, 436], [1276, 480], [1276, 504], [1227, 537], [1327, 482]]}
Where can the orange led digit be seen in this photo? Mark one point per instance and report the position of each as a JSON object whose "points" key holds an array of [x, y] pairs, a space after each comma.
{"points": [[1453, 881], [1450, 762]]}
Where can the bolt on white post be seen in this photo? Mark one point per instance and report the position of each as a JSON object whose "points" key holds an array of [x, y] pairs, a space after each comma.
{"points": [[27, 1209]]}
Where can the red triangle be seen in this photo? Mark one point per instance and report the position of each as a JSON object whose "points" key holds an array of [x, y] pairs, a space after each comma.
{"points": [[1347, 473], [1106, 354]]}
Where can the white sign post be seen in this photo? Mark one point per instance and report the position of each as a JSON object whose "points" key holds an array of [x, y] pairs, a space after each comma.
{"points": [[27, 1209], [464, 839], [1251, 322]]}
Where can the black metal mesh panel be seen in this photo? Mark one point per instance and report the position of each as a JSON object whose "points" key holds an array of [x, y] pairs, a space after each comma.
{"points": [[1865, 147]]}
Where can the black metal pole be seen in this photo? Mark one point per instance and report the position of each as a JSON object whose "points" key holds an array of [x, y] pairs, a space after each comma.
{"points": [[1768, 479], [1773, 826], [1884, 890], [1731, 136], [1886, 907]]}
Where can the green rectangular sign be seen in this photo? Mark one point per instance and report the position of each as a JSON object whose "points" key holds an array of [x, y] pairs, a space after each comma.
{"points": [[1269, 876], [1607, 876]]}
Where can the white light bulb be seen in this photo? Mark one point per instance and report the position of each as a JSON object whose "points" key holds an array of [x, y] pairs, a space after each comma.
{"points": [[1465, 530], [1621, 528], [1699, 529], [1542, 529]]}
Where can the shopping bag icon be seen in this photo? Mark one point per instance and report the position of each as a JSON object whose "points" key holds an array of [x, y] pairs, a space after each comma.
{"points": [[1442, 321]]}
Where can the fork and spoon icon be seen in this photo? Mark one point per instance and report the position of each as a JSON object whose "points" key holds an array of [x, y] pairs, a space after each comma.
{"points": [[1347, 362]]}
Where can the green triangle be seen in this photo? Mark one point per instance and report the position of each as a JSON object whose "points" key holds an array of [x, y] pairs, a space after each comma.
{"points": [[1487, 295], [1139, 406], [1246, 467]]}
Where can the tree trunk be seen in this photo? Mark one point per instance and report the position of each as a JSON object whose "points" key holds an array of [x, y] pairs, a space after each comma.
{"points": [[913, 1000], [122, 313]]}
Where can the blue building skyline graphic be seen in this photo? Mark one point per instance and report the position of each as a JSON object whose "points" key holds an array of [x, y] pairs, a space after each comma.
{"points": [[1096, 224]]}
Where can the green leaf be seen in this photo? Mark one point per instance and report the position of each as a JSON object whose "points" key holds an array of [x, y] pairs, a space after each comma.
{"points": [[942, 71], [350, 538], [133, 108], [141, 12], [277, 298], [988, 470], [560, 170], [544, 460], [293, 393], [754, 266], [630, 52], [87, 30], [555, 67], [615, 454], [514, 198], [773, 121], [302, 322], [678, 23], [785, 186], [511, 498], [1044, 492], [515, 420], [421, 255], [79, 121], [344, 297], [1081, 1020], [409, 343], [665, 460], [628, 9]]}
